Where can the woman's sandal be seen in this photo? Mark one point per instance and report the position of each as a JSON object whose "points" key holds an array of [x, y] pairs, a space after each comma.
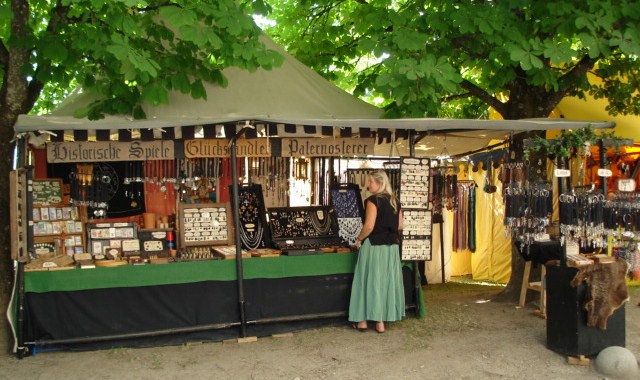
{"points": [[361, 329], [380, 327]]}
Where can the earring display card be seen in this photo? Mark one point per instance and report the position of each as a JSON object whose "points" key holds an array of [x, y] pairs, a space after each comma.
{"points": [[416, 216], [417, 224], [254, 231], [414, 179], [347, 203], [205, 224]]}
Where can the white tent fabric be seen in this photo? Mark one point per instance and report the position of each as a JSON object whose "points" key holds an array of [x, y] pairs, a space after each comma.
{"points": [[291, 94]]}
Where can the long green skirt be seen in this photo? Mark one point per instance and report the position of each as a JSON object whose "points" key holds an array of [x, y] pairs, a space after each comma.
{"points": [[377, 293]]}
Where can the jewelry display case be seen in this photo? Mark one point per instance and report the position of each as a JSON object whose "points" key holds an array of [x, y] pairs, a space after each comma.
{"points": [[113, 239], [304, 230], [205, 224]]}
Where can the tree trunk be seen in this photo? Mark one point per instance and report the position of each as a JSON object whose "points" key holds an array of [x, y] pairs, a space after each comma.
{"points": [[6, 264], [512, 292]]}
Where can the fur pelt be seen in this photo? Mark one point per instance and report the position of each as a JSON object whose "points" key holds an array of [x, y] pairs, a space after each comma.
{"points": [[606, 290]]}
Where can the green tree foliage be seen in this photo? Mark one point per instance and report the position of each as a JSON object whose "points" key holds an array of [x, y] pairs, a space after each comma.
{"points": [[124, 51], [429, 58]]}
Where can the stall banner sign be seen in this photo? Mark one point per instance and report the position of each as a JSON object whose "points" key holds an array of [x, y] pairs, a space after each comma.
{"points": [[220, 148], [90, 151], [326, 147]]}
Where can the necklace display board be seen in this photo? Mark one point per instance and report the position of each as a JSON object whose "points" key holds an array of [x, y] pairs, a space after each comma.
{"points": [[254, 229], [416, 215], [108, 190], [304, 230], [347, 203]]}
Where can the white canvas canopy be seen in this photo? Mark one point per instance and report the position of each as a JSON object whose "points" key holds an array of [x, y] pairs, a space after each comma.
{"points": [[291, 94]]}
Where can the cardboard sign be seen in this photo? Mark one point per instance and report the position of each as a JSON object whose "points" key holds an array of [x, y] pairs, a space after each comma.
{"points": [[99, 151], [327, 147], [220, 148]]}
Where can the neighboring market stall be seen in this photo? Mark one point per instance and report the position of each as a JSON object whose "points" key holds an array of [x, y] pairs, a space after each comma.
{"points": [[163, 244]]}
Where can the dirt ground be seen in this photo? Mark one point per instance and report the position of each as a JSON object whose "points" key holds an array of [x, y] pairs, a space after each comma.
{"points": [[463, 337]]}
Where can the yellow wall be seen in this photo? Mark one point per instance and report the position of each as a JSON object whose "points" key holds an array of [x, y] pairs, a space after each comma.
{"points": [[595, 109]]}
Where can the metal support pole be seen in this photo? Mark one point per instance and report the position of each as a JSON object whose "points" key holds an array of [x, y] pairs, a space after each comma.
{"points": [[416, 263], [603, 161], [25, 164], [21, 349], [441, 234], [563, 185], [236, 222]]}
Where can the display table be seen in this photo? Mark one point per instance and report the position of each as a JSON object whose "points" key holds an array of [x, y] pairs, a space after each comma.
{"points": [[540, 252], [567, 330], [179, 302]]}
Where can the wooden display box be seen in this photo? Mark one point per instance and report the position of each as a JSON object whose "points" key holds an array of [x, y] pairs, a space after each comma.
{"points": [[153, 243], [205, 224], [567, 330], [107, 237]]}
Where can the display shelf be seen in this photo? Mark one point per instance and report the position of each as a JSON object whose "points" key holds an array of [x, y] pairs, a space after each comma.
{"points": [[57, 229]]}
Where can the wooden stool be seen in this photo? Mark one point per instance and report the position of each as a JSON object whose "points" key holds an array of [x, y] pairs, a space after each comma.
{"points": [[538, 286]]}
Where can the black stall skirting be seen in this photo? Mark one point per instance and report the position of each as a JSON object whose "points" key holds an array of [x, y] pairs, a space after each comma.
{"points": [[180, 313]]}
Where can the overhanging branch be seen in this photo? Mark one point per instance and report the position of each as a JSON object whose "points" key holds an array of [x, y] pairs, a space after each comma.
{"points": [[482, 95], [567, 81]]}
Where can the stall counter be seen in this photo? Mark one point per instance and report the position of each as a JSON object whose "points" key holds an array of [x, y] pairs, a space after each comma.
{"points": [[187, 301]]}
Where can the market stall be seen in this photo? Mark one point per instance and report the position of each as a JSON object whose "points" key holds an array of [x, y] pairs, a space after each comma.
{"points": [[149, 238]]}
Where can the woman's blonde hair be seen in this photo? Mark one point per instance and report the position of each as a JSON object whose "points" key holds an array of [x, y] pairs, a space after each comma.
{"points": [[385, 188]]}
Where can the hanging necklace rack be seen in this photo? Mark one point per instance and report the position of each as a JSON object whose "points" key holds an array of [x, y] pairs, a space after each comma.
{"points": [[582, 216], [527, 209], [197, 178], [445, 183], [273, 174]]}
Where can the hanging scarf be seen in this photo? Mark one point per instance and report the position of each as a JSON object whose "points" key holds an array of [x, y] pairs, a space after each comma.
{"points": [[472, 218]]}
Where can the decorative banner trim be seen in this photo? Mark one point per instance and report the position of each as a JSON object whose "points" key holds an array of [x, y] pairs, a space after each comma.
{"points": [[82, 151], [327, 147]]}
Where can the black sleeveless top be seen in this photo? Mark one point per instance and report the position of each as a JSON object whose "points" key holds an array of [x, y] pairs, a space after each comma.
{"points": [[385, 231]]}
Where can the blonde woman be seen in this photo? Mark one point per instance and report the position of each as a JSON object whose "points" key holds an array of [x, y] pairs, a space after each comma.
{"points": [[377, 292]]}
